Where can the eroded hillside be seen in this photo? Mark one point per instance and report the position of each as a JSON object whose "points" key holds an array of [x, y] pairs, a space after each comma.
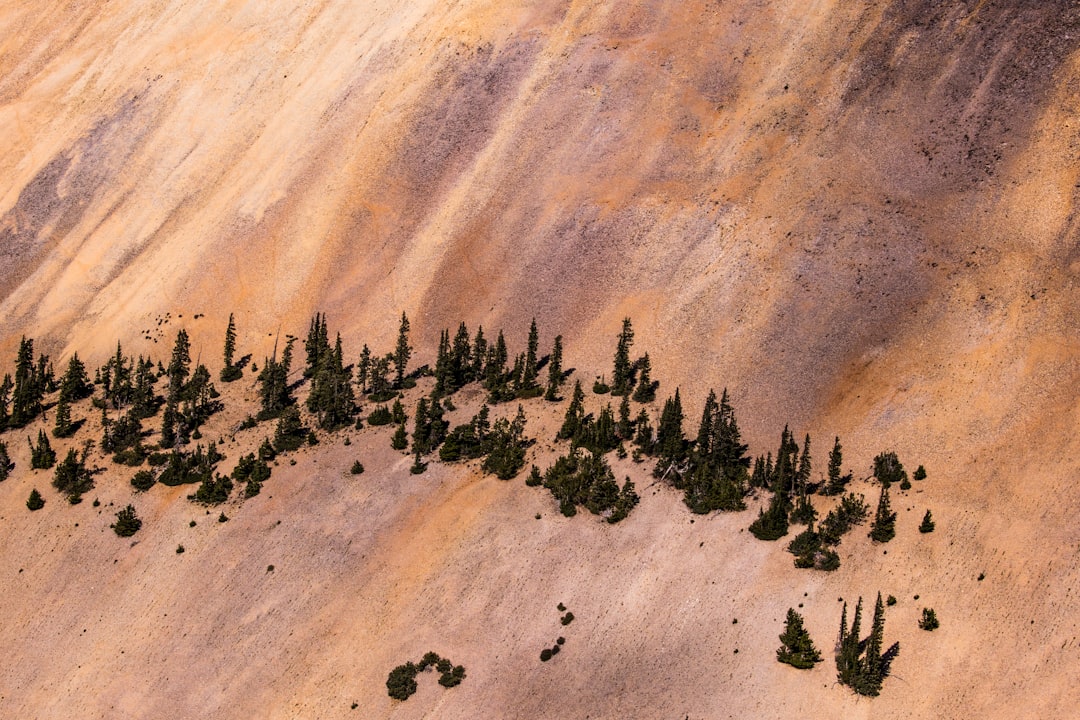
{"points": [[857, 217]]}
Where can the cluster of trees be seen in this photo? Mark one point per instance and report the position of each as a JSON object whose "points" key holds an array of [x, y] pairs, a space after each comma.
{"points": [[862, 665], [22, 400], [190, 398], [584, 478], [502, 444], [72, 476], [401, 682]]}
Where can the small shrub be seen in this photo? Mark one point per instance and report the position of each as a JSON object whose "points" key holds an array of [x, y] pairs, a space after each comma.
{"points": [[561, 607], [891, 600], [249, 422], [927, 525], [179, 549], [560, 641], [143, 480], [555, 649], [545, 654], [223, 518], [380, 416], [567, 618], [35, 501], [929, 620], [401, 683], [357, 468], [127, 522], [600, 387], [920, 473], [534, 479]]}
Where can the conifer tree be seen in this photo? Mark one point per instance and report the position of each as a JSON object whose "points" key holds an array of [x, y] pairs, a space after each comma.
{"points": [[127, 522], [646, 390], [802, 475], [848, 666], [400, 439], [623, 373], [836, 481], [363, 369], [461, 367], [888, 469], [35, 501], [5, 462], [528, 385], [670, 441], [643, 437], [443, 368], [274, 392], [75, 384], [5, 402], [797, 648], [555, 371], [479, 355], [402, 352], [42, 456], [230, 372], [316, 345], [72, 477], [873, 665], [575, 414], [63, 427], [929, 620], [883, 529], [179, 366], [625, 427], [927, 525], [28, 390]]}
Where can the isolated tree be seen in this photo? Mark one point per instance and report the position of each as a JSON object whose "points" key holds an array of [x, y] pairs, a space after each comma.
{"points": [[35, 501], [888, 469], [797, 649], [919, 474], [75, 384], [402, 351], [927, 525], [883, 528], [127, 522], [230, 372], [555, 371], [623, 372], [529, 386], [72, 477], [179, 366], [836, 481], [929, 620]]}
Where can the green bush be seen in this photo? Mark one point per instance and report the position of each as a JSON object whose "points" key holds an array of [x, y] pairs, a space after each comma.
{"points": [[35, 501], [143, 480], [401, 683], [127, 522], [567, 618], [929, 620], [357, 468], [545, 654], [380, 416]]}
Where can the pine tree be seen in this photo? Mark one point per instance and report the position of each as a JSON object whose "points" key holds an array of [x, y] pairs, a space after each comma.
{"points": [[127, 522], [479, 355], [274, 392], [555, 371], [873, 664], [802, 475], [927, 525], [623, 373], [42, 456], [883, 529], [28, 390], [929, 620], [643, 437], [179, 366], [75, 384], [363, 369], [797, 648], [461, 367], [575, 414], [5, 402], [72, 477], [400, 439], [402, 352], [646, 390], [670, 441], [529, 387], [888, 469], [230, 372], [5, 462], [836, 480], [848, 666], [625, 427], [63, 427], [35, 501], [316, 345]]}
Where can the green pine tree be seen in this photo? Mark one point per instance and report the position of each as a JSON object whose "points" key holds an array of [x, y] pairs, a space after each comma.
{"points": [[35, 501], [797, 648], [63, 427], [42, 456], [646, 389], [555, 371], [230, 372], [883, 529], [402, 352], [622, 375], [400, 440], [927, 525], [5, 462]]}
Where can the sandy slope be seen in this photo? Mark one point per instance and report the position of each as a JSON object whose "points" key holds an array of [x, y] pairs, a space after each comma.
{"points": [[858, 217]]}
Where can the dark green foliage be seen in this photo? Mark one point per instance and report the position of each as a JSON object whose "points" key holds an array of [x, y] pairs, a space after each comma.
{"points": [[429, 429], [851, 511], [31, 383], [379, 384], [42, 456], [419, 467], [35, 501], [468, 441], [505, 447], [274, 392], [5, 462], [213, 491], [797, 648], [929, 620], [920, 473], [223, 518], [290, 432], [883, 528], [567, 618], [772, 523], [599, 387], [397, 413], [644, 437], [123, 437], [670, 441], [716, 475], [331, 398], [888, 469], [528, 386], [357, 468], [535, 479], [5, 401], [599, 435], [127, 522], [400, 440], [402, 351], [862, 666], [179, 366], [230, 372], [836, 481], [251, 469], [625, 426], [827, 559], [184, 468], [555, 371], [927, 525], [266, 451], [381, 415], [63, 427], [646, 388], [143, 480], [545, 654], [586, 479], [806, 542], [803, 513], [75, 384], [401, 683], [317, 344], [622, 375], [575, 414]]}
